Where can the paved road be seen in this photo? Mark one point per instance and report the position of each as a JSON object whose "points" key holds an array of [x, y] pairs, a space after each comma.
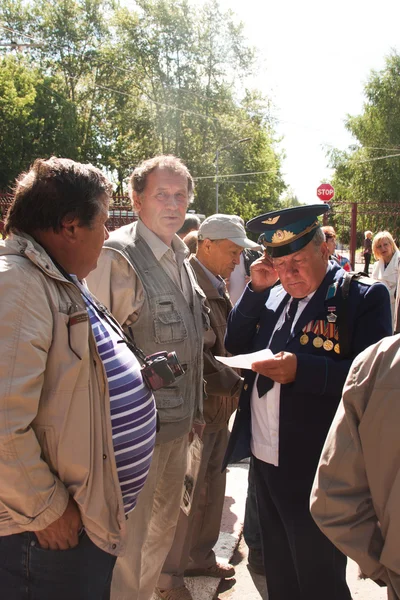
{"points": [[248, 586], [231, 547]]}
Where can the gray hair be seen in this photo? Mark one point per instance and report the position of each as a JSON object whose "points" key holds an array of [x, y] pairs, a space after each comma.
{"points": [[138, 179], [319, 237], [191, 222]]}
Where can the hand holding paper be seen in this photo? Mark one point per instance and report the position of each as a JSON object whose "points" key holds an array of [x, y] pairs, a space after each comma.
{"points": [[280, 367], [244, 361]]}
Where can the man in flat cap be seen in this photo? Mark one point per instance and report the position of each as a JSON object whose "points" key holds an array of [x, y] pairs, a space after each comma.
{"points": [[315, 318], [221, 240]]}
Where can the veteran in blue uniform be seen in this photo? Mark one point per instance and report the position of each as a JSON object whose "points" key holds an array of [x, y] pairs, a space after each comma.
{"points": [[315, 321]]}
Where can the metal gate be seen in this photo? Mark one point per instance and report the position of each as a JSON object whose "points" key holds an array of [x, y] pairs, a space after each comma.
{"points": [[352, 219]]}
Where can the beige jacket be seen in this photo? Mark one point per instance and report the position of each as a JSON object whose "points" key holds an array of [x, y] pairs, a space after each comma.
{"points": [[355, 499], [55, 430]]}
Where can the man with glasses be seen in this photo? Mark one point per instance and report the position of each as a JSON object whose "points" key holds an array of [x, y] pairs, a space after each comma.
{"points": [[295, 306]]}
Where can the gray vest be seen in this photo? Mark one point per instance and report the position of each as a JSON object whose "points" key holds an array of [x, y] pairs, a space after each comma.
{"points": [[168, 321]]}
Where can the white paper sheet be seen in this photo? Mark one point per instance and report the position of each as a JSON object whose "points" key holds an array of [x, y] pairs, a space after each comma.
{"points": [[244, 361]]}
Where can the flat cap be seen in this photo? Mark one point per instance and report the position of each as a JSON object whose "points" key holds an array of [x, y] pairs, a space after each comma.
{"points": [[225, 227]]}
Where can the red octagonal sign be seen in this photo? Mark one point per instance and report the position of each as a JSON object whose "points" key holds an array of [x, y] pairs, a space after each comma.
{"points": [[325, 192]]}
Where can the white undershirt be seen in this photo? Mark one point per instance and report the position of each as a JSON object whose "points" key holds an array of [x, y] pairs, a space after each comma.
{"points": [[237, 281], [265, 410]]}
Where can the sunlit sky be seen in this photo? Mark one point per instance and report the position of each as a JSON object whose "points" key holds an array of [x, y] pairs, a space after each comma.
{"points": [[315, 57]]}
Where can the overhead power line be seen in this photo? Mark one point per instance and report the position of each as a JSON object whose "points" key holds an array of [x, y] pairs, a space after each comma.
{"points": [[377, 158], [236, 174], [394, 148], [182, 110], [29, 37]]}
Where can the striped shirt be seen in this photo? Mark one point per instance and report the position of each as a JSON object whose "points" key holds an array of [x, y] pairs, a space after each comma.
{"points": [[132, 406]]}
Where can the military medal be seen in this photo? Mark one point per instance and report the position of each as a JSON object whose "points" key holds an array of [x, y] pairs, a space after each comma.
{"points": [[318, 342], [329, 334], [331, 316], [336, 336], [317, 329], [304, 338]]}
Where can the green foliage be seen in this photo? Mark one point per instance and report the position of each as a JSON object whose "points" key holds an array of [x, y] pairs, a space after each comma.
{"points": [[112, 86], [36, 119], [289, 200], [369, 172]]}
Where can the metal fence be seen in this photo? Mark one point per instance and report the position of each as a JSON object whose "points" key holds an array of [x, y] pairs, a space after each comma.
{"points": [[120, 212], [351, 219]]}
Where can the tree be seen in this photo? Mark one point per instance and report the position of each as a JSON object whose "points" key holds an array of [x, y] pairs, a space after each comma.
{"points": [[369, 172], [290, 200], [165, 77], [377, 130], [35, 118]]}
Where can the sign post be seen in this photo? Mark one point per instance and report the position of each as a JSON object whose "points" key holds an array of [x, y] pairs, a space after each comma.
{"points": [[325, 192]]}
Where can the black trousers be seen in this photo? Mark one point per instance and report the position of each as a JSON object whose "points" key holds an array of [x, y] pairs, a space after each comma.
{"points": [[367, 260], [300, 562]]}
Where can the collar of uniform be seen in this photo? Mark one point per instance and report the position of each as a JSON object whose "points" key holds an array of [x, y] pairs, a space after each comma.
{"points": [[302, 303], [159, 248], [216, 280]]}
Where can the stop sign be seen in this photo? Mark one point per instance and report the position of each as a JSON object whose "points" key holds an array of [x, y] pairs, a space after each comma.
{"points": [[325, 192]]}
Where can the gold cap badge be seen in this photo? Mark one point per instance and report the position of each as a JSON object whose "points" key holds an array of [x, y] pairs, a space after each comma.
{"points": [[271, 221], [281, 235]]}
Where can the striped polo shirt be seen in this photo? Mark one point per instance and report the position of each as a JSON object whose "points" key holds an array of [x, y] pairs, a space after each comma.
{"points": [[132, 406]]}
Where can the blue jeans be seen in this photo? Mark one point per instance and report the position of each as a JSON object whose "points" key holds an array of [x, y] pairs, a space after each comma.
{"points": [[27, 572]]}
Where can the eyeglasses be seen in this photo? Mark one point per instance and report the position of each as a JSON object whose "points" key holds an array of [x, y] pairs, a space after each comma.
{"points": [[328, 236]]}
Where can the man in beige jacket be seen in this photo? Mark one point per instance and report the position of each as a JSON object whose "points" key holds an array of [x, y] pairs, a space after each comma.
{"points": [[355, 498], [63, 499]]}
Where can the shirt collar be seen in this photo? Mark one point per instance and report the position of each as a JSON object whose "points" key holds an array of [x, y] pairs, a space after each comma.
{"points": [[216, 280], [159, 248]]}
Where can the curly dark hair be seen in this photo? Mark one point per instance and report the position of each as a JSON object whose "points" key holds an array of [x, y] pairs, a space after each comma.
{"points": [[53, 189]]}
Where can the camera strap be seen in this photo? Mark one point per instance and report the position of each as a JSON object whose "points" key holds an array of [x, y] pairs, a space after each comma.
{"points": [[103, 313]]}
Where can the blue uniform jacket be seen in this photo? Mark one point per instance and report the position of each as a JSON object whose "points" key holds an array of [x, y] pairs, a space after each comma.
{"points": [[307, 405]]}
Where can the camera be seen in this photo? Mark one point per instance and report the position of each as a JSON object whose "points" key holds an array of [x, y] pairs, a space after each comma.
{"points": [[161, 369]]}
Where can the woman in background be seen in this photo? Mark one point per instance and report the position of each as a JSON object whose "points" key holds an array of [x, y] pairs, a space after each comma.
{"points": [[367, 250], [386, 268], [330, 238]]}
